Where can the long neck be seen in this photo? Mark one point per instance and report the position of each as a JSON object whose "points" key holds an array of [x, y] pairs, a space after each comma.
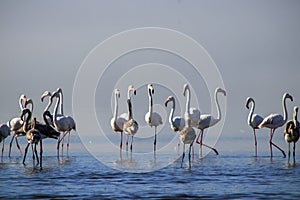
{"points": [[21, 104], [48, 105], [45, 118], [150, 103], [188, 98], [172, 114], [187, 108], [61, 103], [251, 112], [218, 106], [56, 109], [129, 109], [116, 108], [295, 116], [25, 126], [285, 114]]}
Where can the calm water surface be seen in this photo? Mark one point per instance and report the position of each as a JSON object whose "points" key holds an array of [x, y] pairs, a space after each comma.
{"points": [[80, 175]]}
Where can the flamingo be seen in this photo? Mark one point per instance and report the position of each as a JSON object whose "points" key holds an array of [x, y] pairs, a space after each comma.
{"points": [[291, 133], [253, 120], [177, 123], [4, 133], [274, 121], [152, 118], [130, 126], [16, 126], [62, 123], [117, 122], [33, 136], [207, 120], [187, 134], [193, 112]]}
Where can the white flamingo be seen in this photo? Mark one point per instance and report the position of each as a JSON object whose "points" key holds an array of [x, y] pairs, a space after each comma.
{"points": [[274, 121], [131, 91], [62, 123], [4, 133], [117, 122], [193, 112], [207, 120], [152, 118], [177, 123], [253, 120], [187, 134], [130, 126], [291, 133], [16, 126]]}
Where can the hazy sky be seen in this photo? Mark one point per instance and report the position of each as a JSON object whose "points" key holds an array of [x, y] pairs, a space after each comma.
{"points": [[255, 44]]}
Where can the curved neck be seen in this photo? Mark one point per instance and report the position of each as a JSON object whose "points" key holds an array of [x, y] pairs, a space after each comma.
{"points": [[172, 114], [150, 103], [295, 116], [55, 109], [285, 114], [21, 104], [48, 105], [251, 112], [218, 106], [25, 126], [116, 107], [61, 103], [45, 114]]}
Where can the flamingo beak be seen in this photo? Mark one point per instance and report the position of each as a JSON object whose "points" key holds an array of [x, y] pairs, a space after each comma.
{"points": [[166, 102], [134, 92]]}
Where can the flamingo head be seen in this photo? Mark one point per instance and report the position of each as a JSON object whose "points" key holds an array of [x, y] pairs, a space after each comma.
{"points": [[170, 98], [249, 99], [23, 99], [185, 88], [55, 94], [132, 90], [45, 94], [117, 92], [150, 89], [221, 90], [287, 95], [28, 101]]}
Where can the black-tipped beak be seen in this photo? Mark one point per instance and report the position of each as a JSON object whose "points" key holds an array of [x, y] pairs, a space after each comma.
{"points": [[166, 102], [134, 92]]}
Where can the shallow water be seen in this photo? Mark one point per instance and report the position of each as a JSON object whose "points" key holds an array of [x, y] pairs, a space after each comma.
{"points": [[80, 175]]}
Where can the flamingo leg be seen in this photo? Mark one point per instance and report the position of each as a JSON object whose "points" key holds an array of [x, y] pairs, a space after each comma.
{"points": [[57, 147], [178, 146], [10, 144], [126, 142], [255, 143], [18, 146], [271, 136], [154, 138], [36, 154], [131, 143], [68, 144], [191, 145], [271, 143], [200, 134], [2, 148], [183, 154], [41, 153], [202, 144], [59, 141], [25, 153], [289, 153], [294, 152], [121, 140]]}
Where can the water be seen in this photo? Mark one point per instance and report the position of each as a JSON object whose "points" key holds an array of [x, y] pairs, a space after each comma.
{"points": [[80, 175]]}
